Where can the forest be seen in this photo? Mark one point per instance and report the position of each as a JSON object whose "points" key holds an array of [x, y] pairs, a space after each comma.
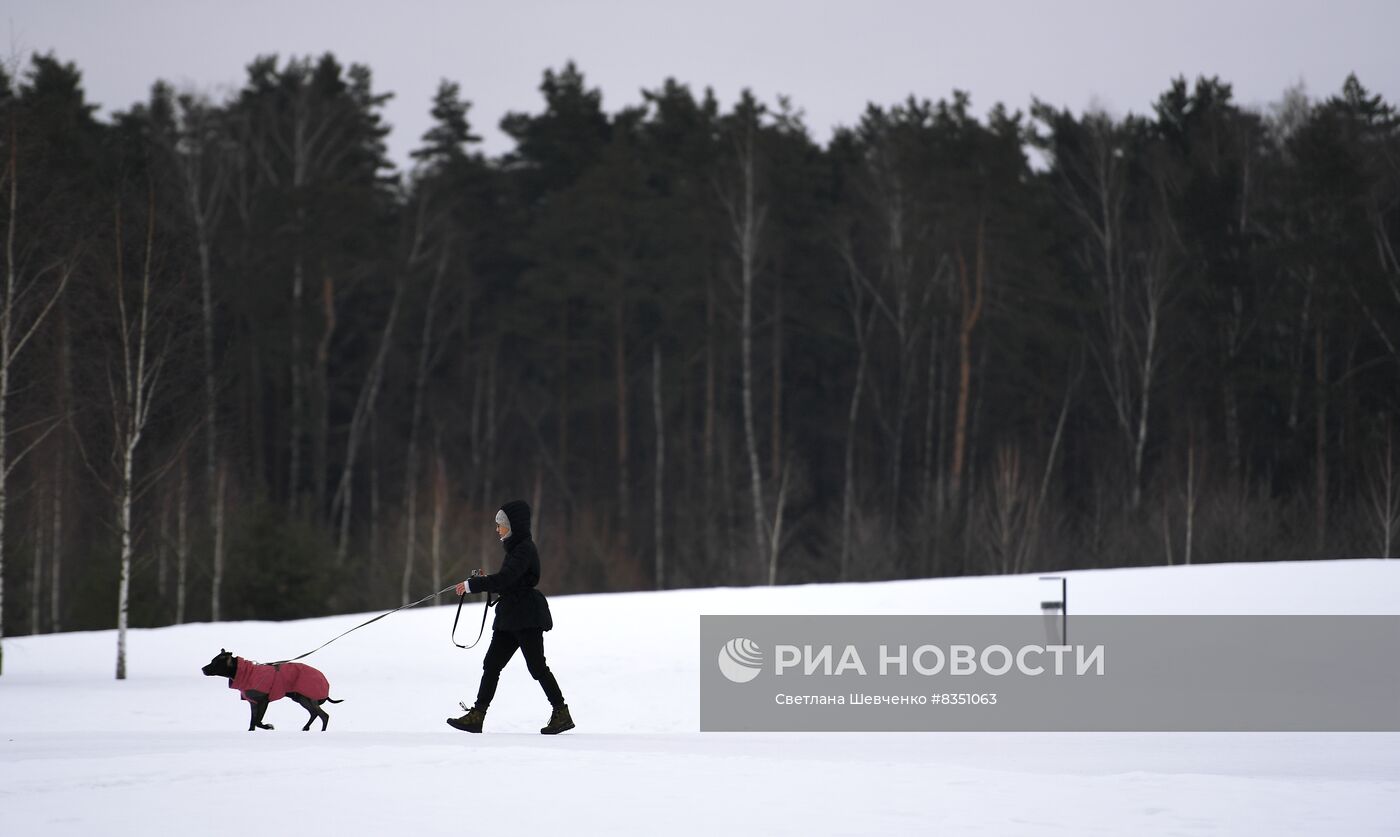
{"points": [[249, 368]]}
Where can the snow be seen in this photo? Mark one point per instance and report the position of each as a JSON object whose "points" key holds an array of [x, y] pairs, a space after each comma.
{"points": [[167, 749]]}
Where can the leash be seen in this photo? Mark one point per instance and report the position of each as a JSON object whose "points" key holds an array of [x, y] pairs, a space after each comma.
{"points": [[489, 603]]}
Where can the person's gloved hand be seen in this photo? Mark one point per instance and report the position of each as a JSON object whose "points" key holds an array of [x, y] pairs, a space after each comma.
{"points": [[465, 587]]}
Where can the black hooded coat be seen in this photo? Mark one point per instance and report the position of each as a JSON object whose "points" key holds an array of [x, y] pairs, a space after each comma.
{"points": [[521, 605]]}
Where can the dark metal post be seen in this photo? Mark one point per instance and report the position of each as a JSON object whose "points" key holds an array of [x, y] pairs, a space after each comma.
{"points": [[1061, 605]]}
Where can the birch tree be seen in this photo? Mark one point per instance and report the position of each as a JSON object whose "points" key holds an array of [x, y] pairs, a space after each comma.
{"points": [[972, 284], [20, 318], [1127, 256], [142, 356], [420, 380], [443, 159], [199, 151], [342, 502], [439, 511], [747, 215], [904, 271], [1383, 496], [36, 567], [311, 124], [862, 313], [659, 481]]}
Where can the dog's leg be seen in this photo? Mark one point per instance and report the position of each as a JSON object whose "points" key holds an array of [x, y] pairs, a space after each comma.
{"points": [[258, 706], [310, 706]]}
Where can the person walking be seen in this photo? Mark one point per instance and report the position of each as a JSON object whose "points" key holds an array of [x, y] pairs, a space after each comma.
{"points": [[522, 617]]}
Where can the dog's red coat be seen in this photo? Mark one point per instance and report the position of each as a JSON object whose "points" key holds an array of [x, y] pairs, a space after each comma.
{"points": [[277, 681]]}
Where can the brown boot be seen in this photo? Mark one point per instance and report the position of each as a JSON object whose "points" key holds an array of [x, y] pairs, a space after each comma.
{"points": [[559, 721], [470, 722]]}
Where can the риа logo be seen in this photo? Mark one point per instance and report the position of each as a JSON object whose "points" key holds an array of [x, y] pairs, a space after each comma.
{"points": [[740, 660]]}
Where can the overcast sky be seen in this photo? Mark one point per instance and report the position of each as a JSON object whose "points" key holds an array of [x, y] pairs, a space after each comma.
{"points": [[831, 58]]}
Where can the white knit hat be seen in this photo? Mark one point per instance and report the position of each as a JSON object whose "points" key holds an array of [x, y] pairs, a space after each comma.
{"points": [[501, 519]]}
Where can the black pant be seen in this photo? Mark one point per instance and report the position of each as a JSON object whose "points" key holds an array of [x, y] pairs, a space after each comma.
{"points": [[502, 648]]}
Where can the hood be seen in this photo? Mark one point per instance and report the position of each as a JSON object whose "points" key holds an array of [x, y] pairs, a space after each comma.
{"points": [[518, 512]]}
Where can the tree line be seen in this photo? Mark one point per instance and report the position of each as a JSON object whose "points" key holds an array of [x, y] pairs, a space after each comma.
{"points": [[249, 369]]}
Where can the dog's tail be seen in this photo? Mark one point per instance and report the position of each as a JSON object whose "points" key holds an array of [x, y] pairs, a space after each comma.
{"points": [[333, 700]]}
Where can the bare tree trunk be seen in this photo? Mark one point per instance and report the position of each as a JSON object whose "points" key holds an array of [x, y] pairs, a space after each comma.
{"points": [[317, 142], [204, 216], [65, 402], [775, 434], [488, 458], [182, 547], [374, 512], [1148, 367], [1232, 434], [10, 348], [538, 520], [475, 430], [729, 505], [56, 546], [707, 443], [775, 541], [747, 220], [211, 402], [140, 375], [944, 437], [861, 324], [1388, 530], [1132, 357], [563, 406], [220, 513], [320, 439], [347, 498], [750, 440], [318, 135], [1385, 500], [624, 477], [294, 467], [975, 422], [1191, 495], [1007, 512], [1056, 438], [127, 453], [420, 382], [200, 141], [265, 465], [1128, 357], [364, 409], [930, 410], [902, 306], [36, 574], [1320, 380], [439, 512], [7, 317], [903, 330], [658, 488], [483, 438], [1236, 330], [972, 290], [1300, 355], [1167, 528], [163, 548]]}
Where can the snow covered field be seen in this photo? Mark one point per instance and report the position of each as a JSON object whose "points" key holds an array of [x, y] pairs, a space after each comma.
{"points": [[167, 750]]}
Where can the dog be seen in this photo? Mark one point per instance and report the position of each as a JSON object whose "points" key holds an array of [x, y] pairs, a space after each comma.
{"points": [[261, 684]]}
